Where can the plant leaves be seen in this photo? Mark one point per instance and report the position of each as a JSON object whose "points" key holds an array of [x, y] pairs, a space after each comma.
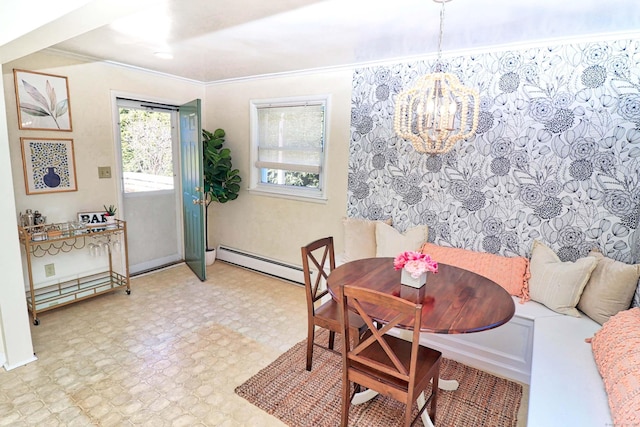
{"points": [[36, 95], [61, 108], [33, 110], [51, 93], [221, 182]]}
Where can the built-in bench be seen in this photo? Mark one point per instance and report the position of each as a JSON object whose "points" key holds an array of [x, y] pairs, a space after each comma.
{"points": [[546, 350], [566, 388]]}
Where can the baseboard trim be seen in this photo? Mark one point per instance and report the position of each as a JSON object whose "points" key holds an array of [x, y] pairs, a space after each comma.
{"points": [[271, 267]]}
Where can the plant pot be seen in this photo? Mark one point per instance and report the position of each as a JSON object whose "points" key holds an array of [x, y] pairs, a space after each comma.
{"points": [[111, 221], [408, 280], [210, 256]]}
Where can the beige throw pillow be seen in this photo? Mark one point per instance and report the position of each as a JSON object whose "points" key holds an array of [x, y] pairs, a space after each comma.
{"points": [[557, 284], [359, 238], [390, 242], [610, 288]]}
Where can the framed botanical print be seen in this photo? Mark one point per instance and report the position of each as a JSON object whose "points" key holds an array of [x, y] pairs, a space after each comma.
{"points": [[43, 101], [49, 165]]}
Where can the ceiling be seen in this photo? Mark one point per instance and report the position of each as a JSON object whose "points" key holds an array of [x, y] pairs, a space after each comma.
{"points": [[213, 40]]}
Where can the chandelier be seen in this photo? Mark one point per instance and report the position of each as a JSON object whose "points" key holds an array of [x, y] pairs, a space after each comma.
{"points": [[438, 111]]}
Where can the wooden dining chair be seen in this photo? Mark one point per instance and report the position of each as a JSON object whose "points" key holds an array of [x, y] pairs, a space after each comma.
{"points": [[325, 315], [391, 366]]}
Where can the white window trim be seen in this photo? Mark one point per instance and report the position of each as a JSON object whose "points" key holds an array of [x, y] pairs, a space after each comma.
{"points": [[260, 188]]}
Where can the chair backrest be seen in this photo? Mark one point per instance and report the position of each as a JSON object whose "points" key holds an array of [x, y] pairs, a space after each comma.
{"points": [[384, 359], [315, 256]]}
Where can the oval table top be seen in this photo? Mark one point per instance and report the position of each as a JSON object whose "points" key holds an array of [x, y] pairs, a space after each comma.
{"points": [[455, 301]]}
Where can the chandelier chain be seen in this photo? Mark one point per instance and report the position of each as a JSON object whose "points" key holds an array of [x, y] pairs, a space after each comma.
{"points": [[440, 36]]}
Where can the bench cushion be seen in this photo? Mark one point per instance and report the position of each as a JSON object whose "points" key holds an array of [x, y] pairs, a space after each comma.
{"points": [[509, 272], [615, 350], [566, 389]]}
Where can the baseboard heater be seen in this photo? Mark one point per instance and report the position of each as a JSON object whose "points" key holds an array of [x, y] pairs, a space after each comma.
{"points": [[279, 269]]}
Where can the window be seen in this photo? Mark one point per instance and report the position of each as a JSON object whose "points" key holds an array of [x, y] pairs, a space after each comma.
{"points": [[288, 138]]}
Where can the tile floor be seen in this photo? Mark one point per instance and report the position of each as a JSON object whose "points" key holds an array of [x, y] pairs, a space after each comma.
{"points": [[169, 354]]}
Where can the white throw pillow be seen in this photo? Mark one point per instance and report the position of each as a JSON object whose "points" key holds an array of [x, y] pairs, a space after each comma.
{"points": [[359, 238], [390, 242], [557, 284]]}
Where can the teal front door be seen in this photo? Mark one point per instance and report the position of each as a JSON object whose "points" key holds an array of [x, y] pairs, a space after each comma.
{"points": [[192, 187]]}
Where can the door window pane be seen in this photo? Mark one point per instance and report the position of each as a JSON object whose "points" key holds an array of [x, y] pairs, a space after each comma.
{"points": [[147, 162]]}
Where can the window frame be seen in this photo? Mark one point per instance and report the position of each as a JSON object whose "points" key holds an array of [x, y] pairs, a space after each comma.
{"points": [[278, 190]]}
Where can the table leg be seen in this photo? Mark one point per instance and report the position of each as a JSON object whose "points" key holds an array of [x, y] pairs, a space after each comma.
{"points": [[363, 396], [368, 394], [426, 420], [448, 385]]}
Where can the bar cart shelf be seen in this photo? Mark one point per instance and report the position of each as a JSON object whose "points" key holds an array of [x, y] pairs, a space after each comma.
{"points": [[51, 239]]}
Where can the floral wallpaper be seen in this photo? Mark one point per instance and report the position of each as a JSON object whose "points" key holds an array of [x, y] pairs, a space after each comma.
{"points": [[556, 156]]}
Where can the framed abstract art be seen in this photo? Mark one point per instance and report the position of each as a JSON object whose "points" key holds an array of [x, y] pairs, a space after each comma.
{"points": [[49, 165], [43, 101]]}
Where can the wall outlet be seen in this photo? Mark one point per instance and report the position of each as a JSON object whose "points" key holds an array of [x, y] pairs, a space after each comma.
{"points": [[49, 270], [104, 172]]}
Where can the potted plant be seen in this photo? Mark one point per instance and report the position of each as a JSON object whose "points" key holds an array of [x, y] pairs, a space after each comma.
{"points": [[110, 214], [221, 181]]}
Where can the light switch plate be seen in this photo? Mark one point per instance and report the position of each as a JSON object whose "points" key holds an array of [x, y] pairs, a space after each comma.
{"points": [[104, 172]]}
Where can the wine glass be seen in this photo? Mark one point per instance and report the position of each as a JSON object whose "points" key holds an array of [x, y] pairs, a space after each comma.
{"points": [[92, 249], [85, 223]]}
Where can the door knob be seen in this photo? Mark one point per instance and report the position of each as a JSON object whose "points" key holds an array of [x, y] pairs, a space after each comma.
{"points": [[198, 202], [199, 189]]}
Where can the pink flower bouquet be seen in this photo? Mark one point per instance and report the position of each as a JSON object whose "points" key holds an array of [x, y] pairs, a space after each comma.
{"points": [[415, 263]]}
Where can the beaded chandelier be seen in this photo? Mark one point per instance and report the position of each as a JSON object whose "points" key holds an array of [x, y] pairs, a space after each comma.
{"points": [[438, 111]]}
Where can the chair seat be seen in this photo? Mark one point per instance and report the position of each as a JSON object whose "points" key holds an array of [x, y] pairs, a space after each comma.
{"points": [[330, 311], [402, 349]]}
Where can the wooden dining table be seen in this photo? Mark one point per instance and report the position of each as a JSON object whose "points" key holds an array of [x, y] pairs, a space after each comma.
{"points": [[454, 301]]}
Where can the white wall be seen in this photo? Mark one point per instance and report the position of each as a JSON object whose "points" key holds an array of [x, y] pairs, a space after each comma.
{"points": [[15, 336], [270, 226]]}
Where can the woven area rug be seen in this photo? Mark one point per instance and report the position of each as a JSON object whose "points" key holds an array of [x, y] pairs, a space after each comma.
{"points": [[286, 390]]}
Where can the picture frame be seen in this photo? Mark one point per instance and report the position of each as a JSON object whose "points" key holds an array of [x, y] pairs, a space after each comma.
{"points": [[43, 101], [48, 165]]}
